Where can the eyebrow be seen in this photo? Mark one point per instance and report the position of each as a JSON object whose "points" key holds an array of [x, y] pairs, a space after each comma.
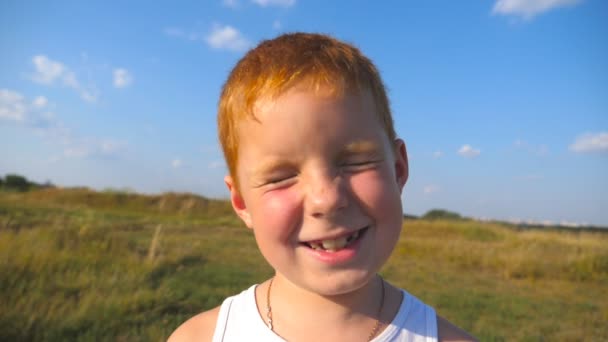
{"points": [[268, 166], [361, 146]]}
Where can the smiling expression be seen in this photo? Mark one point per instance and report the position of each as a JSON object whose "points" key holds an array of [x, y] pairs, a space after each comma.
{"points": [[320, 185]]}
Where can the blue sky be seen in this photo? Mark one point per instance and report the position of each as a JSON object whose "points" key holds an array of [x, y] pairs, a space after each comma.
{"points": [[503, 104]]}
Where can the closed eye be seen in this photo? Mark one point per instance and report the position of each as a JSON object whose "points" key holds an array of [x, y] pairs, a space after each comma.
{"points": [[279, 181], [358, 165]]}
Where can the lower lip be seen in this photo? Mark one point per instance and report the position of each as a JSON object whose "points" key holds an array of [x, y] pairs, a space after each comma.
{"points": [[338, 257]]}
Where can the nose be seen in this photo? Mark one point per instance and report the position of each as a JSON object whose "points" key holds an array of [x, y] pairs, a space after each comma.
{"points": [[327, 194]]}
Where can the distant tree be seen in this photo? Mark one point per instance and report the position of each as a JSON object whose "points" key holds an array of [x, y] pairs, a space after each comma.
{"points": [[47, 184], [441, 214], [1, 182], [16, 182]]}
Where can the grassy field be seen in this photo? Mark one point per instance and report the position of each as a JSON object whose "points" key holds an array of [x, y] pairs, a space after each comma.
{"points": [[80, 265]]}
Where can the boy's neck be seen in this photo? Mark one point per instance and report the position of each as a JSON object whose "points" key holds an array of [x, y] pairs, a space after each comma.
{"points": [[297, 311]]}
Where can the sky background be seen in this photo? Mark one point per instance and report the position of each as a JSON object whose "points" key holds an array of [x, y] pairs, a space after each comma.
{"points": [[503, 104]]}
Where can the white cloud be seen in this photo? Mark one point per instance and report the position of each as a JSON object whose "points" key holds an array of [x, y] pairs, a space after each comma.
{"points": [[590, 142], [277, 25], [221, 37], [12, 106], [176, 163], [228, 38], [231, 3], [122, 78], [69, 79], [89, 96], [431, 189], [48, 72], [437, 154], [529, 8], [34, 114], [17, 108], [279, 3], [40, 102], [468, 152], [75, 147]]}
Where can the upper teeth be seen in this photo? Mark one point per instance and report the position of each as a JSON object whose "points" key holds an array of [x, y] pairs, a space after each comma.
{"points": [[335, 244]]}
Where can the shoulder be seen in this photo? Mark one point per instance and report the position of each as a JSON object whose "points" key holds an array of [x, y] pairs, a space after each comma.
{"points": [[198, 328], [448, 332]]}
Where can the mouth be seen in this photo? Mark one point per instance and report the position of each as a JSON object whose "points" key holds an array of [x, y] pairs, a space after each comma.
{"points": [[334, 245]]}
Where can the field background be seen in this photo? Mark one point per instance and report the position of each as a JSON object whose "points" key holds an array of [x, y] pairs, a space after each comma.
{"points": [[79, 265]]}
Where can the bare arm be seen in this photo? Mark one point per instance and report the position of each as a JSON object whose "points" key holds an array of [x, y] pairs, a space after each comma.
{"points": [[448, 332], [197, 328]]}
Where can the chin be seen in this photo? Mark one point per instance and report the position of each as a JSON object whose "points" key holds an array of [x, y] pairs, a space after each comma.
{"points": [[341, 284]]}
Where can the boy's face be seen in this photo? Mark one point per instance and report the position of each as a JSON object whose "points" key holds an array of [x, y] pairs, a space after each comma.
{"points": [[320, 185]]}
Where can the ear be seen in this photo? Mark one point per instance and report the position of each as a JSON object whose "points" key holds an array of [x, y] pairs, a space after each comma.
{"points": [[238, 204], [401, 164]]}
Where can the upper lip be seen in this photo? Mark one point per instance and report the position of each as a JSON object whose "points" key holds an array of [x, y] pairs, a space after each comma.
{"points": [[335, 235]]}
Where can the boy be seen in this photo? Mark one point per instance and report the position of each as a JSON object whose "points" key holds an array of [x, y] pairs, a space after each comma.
{"points": [[316, 171]]}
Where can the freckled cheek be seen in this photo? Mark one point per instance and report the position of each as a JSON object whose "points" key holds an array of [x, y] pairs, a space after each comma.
{"points": [[278, 212]]}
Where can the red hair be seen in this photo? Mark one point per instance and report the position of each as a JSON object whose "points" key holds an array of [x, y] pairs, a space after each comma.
{"points": [[276, 65]]}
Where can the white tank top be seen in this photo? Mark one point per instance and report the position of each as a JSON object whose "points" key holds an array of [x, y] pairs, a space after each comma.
{"points": [[239, 320]]}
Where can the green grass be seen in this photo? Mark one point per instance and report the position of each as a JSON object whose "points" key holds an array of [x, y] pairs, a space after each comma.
{"points": [[76, 265]]}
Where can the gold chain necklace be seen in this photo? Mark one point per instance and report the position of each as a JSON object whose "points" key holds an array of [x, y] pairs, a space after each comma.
{"points": [[371, 334]]}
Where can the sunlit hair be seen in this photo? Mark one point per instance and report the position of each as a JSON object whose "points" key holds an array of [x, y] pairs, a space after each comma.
{"points": [[274, 66]]}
